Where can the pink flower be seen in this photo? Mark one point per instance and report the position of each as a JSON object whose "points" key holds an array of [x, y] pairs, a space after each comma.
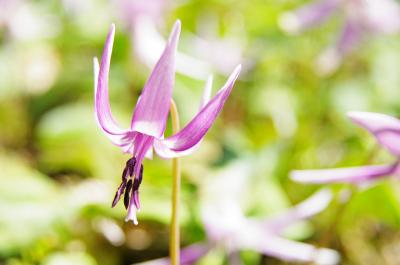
{"points": [[227, 226], [361, 17], [150, 116], [386, 130]]}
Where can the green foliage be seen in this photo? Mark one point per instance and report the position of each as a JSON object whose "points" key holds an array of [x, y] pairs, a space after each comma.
{"points": [[58, 172]]}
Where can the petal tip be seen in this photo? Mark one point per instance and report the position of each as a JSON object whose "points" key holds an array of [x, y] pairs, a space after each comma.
{"points": [[323, 198], [111, 33], [238, 68], [297, 176], [178, 24], [355, 115], [374, 121], [324, 256], [235, 73], [207, 91], [176, 30], [96, 64]]}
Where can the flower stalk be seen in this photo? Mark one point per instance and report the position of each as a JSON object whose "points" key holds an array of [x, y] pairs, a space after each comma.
{"points": [[176, 185]]}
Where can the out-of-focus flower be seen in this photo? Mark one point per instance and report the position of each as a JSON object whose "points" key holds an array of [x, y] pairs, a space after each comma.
{"points": [[361, 17], [150, 117], [131, 10], [40, 69], [143, 18], [386, 130], [227, 226], [26, 21], [32, 70]]}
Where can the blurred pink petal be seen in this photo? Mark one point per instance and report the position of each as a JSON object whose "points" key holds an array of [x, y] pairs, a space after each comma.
{"points": [[307, 16], [306, 209], [356, 175], [293, 251], [361, 18], [384, 127]]}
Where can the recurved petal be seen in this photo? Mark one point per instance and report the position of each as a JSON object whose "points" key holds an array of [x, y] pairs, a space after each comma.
{"points": [[160, 146], [385, 128], [309, 207], [121, 139], [288, 250], [151, 112], [101, 101], [355, 175], [192, 133]]}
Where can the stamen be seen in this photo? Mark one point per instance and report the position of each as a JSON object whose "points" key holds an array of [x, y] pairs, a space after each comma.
{"points": [[127, 192], [125, 175], [138, 180], [130, 164], [130, 188], [118, 194]]}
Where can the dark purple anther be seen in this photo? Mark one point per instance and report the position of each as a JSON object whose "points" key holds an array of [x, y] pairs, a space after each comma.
{"points": [[135, 189], [118, 194], [127, 192], [125, 175], [137, 181], [128, 186], [130, 165]]}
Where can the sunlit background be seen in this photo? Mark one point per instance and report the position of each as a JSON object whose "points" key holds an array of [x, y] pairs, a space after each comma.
{"points": [[58, 172]]}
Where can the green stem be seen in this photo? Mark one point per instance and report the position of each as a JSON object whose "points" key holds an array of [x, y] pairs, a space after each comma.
{"points": [[174, 241]]}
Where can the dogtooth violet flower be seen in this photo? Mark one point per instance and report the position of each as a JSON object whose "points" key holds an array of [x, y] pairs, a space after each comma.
{"points": [[361, 17], [227, 227], [386, 130], [235, 232], [150, 116]]}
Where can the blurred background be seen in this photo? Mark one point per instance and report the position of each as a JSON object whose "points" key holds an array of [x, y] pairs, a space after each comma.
{"points": [[58, 172]]}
